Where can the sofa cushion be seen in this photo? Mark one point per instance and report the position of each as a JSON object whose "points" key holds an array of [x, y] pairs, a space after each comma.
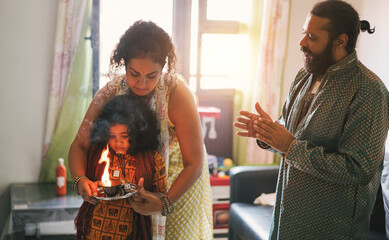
{"points": [[250, 221]]}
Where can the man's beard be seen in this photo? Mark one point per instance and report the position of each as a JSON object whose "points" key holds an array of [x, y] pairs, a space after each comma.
{"points": [[319, 63]]}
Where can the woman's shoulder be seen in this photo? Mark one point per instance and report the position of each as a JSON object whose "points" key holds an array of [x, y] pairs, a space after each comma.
{"points": [[171, 80], [115, 83], [175, 81], [181, 99], [178, 88]]}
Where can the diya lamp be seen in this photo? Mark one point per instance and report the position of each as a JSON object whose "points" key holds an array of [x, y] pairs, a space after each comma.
{"points": [[107, 189]]}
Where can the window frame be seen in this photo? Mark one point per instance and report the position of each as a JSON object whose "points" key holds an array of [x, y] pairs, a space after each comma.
{"points": [[206, 26], [182, 38]]}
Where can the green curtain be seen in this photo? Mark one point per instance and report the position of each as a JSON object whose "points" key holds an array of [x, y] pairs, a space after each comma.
{"points": [[77, 99]]}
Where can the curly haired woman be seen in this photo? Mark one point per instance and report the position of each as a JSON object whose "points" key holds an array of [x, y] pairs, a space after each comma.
{"points": [[143, 51]]}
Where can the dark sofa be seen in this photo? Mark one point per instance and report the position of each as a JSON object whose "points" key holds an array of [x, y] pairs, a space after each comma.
{"points": [[247, 220]]}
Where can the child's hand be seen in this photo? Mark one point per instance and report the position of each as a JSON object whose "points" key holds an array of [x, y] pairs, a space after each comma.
{"points": [[87, 189]]}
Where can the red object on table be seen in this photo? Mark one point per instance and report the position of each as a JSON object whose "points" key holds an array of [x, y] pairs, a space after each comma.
{"points": [[219, 181], [61, 178], [209, 111]]}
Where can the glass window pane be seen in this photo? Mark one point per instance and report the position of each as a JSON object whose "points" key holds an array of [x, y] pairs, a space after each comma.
{"points": [[192, 83], [228, 10], [193, 38], [117, 15], [224, 60]]}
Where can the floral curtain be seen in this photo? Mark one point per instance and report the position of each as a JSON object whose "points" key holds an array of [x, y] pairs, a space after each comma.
{"points": [[269, 34], [70, 86]]}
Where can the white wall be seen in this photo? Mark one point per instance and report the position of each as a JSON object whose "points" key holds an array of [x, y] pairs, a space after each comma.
{"points": [[372, 49], [27, 30]]}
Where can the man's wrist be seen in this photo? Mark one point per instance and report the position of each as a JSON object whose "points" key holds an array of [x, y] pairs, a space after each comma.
{"points": [[290, 146], [262, 145]]}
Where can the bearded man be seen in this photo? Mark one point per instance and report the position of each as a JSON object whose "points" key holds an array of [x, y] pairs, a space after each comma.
{"points": [[331, 133]]}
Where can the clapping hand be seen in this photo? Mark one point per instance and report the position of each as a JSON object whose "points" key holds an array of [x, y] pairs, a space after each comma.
{"points": [[262, 127]]}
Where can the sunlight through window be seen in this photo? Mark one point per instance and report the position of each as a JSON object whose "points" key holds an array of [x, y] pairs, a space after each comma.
{"points": [[219, 54], [117, 15], [223, 62]]}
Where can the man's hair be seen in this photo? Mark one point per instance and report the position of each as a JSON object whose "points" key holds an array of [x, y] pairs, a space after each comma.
{"points": [[343, 19]]}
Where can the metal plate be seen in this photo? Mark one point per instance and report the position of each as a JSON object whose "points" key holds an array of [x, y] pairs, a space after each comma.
{"points": [[132, 188]]}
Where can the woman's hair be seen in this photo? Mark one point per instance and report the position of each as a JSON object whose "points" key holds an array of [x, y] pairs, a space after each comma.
{"points": [[343, 19], [145, 39], [141, 122]]}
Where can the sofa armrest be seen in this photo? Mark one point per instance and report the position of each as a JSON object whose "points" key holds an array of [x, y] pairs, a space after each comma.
{"points": [[248, 182]]}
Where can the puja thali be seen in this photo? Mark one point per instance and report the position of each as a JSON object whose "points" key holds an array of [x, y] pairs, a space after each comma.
{"points": [[121, 191]]}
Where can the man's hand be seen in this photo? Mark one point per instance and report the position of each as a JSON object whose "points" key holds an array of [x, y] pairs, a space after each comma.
{"points": [[262, 127]]}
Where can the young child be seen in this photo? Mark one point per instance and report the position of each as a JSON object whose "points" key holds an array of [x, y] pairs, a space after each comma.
{"points": [[130, 129]]}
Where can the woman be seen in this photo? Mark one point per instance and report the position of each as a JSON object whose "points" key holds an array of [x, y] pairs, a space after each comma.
{"points": [[143, 51]]}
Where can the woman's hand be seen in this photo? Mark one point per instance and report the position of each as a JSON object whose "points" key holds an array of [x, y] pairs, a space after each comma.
{"points": [[87, 189], [145, 202]]}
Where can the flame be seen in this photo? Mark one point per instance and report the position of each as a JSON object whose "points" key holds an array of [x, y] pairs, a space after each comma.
{"points": [[104, 158]]}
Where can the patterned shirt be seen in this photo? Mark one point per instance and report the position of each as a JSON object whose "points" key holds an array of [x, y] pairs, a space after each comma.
{"points": [[328, 180], [114, 219]]}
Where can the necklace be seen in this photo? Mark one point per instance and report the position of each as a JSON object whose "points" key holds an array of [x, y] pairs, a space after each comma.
{"points": [[122, 162], [121, 159]]}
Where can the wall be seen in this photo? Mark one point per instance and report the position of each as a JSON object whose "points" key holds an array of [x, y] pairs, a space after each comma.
{"points": [[371, 48], [26, 45]]}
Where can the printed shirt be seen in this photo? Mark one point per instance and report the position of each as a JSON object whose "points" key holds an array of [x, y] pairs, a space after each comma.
{"points": [[114, 219]]}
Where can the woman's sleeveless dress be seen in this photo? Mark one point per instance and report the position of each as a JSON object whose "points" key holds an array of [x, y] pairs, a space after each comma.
{"points": [[192, 216]]}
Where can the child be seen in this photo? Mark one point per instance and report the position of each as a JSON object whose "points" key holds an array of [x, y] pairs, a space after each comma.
{"points": [[131, 131]]}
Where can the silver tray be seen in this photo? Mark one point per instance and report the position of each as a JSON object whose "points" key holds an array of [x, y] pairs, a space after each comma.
{"points": [[131, 187]]}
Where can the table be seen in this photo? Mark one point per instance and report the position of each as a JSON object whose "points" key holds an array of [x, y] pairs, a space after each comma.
{"points": [[35, 205]]}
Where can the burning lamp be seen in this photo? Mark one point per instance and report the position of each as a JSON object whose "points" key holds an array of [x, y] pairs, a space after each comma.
{"points": [[107, 191]]}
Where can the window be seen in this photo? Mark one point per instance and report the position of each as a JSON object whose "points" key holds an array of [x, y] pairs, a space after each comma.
{"points": [[219, 47], [117, 15], [209, 42], [211, 45]]}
